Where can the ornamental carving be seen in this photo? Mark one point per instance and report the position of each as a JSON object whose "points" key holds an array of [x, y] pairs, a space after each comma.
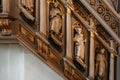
{"points": [[106, 14], [5, 27]]}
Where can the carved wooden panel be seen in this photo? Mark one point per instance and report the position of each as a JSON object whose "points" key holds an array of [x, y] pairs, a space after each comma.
{"points": [[71, 72], [55, 59], [27, 35], [43, 49], [5, 27]]}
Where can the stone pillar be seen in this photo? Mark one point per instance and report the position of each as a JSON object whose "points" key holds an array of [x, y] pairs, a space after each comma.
{"points": [[5, 4], [118, 6], [112, 61], [118, 58], [112, 69], [92, 52], [37, 20], [69, 52], [43, 16], [69, 35], [118, 66]]}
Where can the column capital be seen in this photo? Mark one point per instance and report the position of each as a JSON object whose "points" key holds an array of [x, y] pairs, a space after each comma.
{"points": [[92, 35], [68, 11], [112, 56], [91, 28], [92, 25]]}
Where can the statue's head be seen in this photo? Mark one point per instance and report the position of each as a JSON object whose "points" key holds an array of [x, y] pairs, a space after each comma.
{"points": [[78, 30], [55, 4], [102, 50]]}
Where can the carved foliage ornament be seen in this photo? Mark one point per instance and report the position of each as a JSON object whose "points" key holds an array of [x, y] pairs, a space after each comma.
{"points": [[5, 25]]}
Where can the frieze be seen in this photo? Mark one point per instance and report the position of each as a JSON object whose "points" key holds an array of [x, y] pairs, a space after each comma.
{"points": [[110, 19]]}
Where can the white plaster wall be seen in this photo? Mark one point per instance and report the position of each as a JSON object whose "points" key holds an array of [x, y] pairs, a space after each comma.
{"points": [[11, 62], [37, 70], [17, 63]]}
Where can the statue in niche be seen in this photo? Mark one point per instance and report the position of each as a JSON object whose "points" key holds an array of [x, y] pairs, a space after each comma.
{"points": [[100, 66], [56, 20], [79, 40]]}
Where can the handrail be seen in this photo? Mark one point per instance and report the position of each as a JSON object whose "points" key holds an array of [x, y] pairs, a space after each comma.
{"points": [[111, 8], [42, 38], [104, 24]]}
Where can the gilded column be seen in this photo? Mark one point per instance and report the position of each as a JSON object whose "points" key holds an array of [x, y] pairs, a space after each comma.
{"points": [[92, 52], [43, 16], [69, 34], [112, 61]]}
